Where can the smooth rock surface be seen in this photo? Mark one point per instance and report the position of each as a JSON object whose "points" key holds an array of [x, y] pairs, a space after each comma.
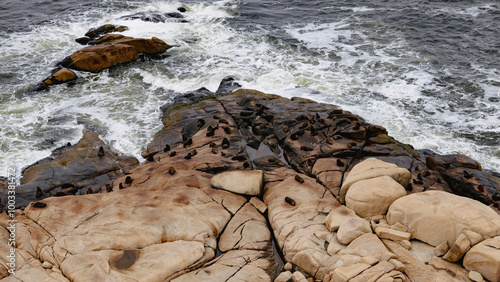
{"points": [[422, 213], [373, 196], [485, 259], [242, 182], [372, 168]]}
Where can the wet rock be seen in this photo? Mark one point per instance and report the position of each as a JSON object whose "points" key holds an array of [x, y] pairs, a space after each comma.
{"points": [[227, 85], [156, 17], [79, 165], [107, 28], [247, 182], [59, 76], [453, 214], [99, 57]]}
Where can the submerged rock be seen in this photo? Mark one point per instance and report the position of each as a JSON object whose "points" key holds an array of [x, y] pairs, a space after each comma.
{"points": [[156, 17]]}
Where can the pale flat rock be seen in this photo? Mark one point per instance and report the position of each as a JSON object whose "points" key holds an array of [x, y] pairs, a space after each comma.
{"points": [[475, 276], [351, 229], [240, 265], [373, 196], [416, 270], [369, 245], [485, 259], [372, 168], [337, 216], [421, 251], [423, 212], [247, 230], [373, 273], [153, 263], [247, 182], [454, 269], [344, 273]]}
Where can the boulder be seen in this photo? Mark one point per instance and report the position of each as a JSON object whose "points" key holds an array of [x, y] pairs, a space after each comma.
{"points": [[485, 259], [351, 229], [337, 216], [61, 75], [373, 196], [100, 57], [372, 168], [86, 167], [156, 17], [247, 182], [423, 212]]}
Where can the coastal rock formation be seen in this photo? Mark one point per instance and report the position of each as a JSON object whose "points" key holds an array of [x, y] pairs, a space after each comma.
{"points": [[99, 57], [89, 166], [108, 50], [189, 212]]}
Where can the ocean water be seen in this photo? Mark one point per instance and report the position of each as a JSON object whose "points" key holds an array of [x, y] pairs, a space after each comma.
{"points": [[428, 71]]}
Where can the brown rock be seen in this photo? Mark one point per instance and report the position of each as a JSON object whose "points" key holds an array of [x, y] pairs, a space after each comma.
{"points": [[99, 57], [62, 75], [247, 182]]}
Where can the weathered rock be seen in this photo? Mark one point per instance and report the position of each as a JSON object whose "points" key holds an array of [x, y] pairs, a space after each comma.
{"points": [[99, 57], [107, 28], [458, 249], [247, 230], [373, 196], [243, 265], [466, 178], [337, 216], [391, 234], [71, 170], [247, 182], [156, 17], [485, 259], [60, 76], [351, 229], [422, 212], [373, 168], [284, 277]]}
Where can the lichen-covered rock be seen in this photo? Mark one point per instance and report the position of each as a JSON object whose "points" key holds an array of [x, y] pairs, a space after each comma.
{"points": [[423, 212]]}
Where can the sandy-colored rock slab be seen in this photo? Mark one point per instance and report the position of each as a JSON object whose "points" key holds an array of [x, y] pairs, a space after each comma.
{"points": [[485, 259], [423, 212], [248, 182]]}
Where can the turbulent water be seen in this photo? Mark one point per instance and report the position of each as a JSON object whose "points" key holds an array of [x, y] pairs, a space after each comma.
{"points": [[428, 71]]}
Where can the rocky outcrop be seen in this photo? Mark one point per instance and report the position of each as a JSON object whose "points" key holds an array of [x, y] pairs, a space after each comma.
{"points": [[236, 186], [109, 50], [100, 57], [89, 166], [156, 17]]}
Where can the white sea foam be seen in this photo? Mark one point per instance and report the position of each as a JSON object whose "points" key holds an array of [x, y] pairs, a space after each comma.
{"points": [[380, 79]]}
